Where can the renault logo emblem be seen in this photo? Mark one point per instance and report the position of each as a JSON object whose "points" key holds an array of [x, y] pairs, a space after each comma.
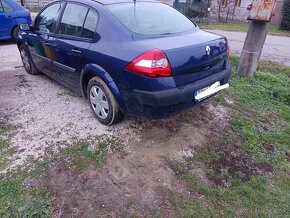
{"points": [[207, 50]]}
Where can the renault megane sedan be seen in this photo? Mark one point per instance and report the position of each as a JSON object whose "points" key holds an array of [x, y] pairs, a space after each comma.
{"points": [[125, 56]]}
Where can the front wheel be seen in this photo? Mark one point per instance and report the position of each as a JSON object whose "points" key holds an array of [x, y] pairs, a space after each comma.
{"points": [[103, 103], [27, 61]]}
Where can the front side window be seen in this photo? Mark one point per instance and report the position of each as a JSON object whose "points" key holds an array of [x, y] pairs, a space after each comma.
{"points": [[47, 20], [6, 8], [150, 18], [73, 20]]}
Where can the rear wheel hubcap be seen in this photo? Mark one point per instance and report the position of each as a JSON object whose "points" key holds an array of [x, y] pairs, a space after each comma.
{"points": [[99, 102]]}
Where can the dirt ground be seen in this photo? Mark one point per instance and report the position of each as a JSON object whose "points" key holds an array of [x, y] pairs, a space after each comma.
{"points": [[136, 179]]}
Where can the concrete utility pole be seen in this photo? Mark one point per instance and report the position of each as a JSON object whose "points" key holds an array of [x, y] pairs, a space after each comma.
{"points": [[261, 12], [253, 46]]}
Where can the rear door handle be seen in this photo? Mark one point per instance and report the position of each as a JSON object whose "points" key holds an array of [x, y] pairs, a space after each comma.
{"points": [[47, 44], [76, 51]]}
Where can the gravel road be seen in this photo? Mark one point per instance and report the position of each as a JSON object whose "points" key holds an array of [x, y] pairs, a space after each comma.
{"points": [[47, 114]]}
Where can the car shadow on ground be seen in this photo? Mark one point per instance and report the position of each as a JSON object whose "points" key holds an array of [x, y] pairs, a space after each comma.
{"points": [[6, 42]]}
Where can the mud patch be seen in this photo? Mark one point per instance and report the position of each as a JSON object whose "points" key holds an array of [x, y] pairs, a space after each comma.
{"points": [[234, 163], [136, 180], [120, 187]]}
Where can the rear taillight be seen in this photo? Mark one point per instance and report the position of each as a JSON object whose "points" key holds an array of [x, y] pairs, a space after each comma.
{"points": [[228, 48], [153, 63]]}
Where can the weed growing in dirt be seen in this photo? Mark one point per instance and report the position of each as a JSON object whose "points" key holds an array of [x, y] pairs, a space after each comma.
{"points": [[84, 154]]}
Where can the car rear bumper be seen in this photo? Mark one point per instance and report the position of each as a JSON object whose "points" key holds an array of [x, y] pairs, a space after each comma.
{"points": [[160, 103]]}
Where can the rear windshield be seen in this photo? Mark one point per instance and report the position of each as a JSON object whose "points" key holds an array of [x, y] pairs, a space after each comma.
{"points": [[150, 18]]}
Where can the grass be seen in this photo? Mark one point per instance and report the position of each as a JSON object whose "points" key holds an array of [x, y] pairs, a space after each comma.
{"points": [[85, 154], [6, 131], [249, 163], [243, 27], [24, 193]]}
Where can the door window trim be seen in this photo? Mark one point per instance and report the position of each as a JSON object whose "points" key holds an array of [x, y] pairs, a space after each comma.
{"points": [[57, 20]]}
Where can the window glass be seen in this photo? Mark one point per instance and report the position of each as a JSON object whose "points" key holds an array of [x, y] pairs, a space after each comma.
{"points": [[1, 8], [7, 8], [46, 21], [151, 18], [73, 20], [90, 25]]}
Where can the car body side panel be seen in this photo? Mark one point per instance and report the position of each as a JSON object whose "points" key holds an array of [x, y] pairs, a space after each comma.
{"points": [[41, 52], [69, 60]]}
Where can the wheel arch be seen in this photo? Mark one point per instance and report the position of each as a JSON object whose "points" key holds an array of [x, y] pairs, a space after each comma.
{"points": [[92, 70]]}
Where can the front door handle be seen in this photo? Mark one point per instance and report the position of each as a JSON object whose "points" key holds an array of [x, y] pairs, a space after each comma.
{"points": [[47, 44], [76, 51]]}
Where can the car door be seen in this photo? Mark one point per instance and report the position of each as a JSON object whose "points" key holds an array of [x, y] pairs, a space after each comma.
{"points": [[40, 46], [6, 20], [75, 34]]}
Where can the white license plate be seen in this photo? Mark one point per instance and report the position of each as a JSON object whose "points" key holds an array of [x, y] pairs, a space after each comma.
{"points": [[206, 91]]}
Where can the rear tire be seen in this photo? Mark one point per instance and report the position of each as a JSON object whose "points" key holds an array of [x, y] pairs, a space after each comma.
{"points": [[27, 61], [103, 102]]}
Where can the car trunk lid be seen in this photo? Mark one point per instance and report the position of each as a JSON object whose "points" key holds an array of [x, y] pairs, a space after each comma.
{"points": [[192, 56]]}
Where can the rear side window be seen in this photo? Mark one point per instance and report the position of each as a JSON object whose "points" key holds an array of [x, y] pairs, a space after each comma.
{"points": [[6, 8], [73, 20], [47, 20], [78, 21], [150, 18], [90, 25]]}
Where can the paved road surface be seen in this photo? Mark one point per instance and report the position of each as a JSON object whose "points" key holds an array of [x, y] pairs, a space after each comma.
{"points": [[276, 48]]}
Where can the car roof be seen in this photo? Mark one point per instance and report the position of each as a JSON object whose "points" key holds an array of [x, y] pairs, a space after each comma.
{"points": [[107, 2]]}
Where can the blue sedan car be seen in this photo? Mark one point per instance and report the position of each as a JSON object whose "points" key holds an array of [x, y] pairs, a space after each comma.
{"points": [[12, 14], [126, 57]]}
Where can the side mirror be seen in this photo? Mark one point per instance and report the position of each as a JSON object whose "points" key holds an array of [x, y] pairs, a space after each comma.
{"points": [[24, 27]]}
